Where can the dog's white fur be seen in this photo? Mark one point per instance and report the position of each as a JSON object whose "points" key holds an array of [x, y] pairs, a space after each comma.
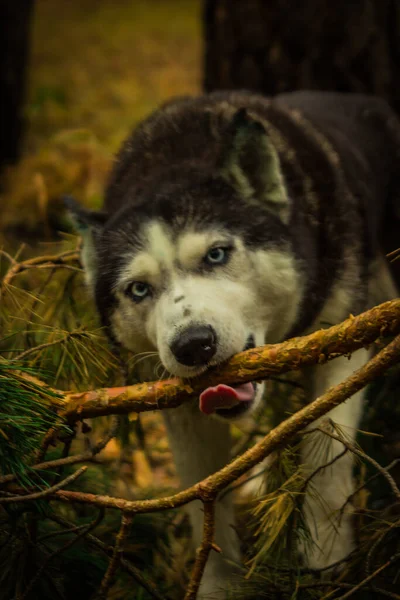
{"points": [[226, 300], [233, 301], [331, 530]]}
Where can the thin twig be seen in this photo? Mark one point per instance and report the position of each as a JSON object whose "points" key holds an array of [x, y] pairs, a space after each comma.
{"points": [[109, 575], [97, 448], [364, 456], [125, 564], [309, 570], [203, 551], [362, 583], [49, 261], [322, 467], [109, 435], [47, 441], [343, 585], [38, 293], [69, 460], [8, 256], [75, 529], [51, 464], [363, 485], [394, 254], [59, 551], [43, 493], [65, 454], [41, 347], [54, 266]]}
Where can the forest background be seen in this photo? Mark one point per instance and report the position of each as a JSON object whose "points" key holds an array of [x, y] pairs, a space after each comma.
{"points": [[84, 73]]}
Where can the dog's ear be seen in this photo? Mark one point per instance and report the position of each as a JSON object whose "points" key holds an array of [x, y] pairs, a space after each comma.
{"points": [[250, 162], [89, 224]]}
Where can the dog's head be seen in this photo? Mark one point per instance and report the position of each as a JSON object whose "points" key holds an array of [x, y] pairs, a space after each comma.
{"points": [[199, 267]]}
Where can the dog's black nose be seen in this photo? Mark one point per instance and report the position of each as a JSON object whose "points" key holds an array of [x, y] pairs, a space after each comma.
{"points": [[195, 346]]}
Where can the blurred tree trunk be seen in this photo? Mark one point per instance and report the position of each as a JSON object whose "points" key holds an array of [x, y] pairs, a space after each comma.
{"points": [[274, 46], [15, 17]]}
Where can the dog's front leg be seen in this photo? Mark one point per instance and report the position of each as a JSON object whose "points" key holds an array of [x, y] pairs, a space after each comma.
{"points": [[201, 446], [327, 490]]}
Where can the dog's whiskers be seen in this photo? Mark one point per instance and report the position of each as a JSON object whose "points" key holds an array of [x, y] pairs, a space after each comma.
{"points": [[139, 358], [160, 366]]}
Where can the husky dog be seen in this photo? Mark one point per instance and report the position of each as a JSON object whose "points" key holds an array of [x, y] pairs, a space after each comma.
{"points": [[230, 221]]}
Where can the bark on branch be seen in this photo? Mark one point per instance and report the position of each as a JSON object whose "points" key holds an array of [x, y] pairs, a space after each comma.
{"points": [[252, 365], [203, 551]]}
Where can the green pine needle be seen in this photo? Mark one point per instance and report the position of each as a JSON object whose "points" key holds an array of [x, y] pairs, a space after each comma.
{"points": [[27, 411]]}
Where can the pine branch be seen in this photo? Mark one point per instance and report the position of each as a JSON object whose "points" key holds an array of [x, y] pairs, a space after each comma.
{"points": [[43, 493], [41, 347], [28, 409], [278, 437]]}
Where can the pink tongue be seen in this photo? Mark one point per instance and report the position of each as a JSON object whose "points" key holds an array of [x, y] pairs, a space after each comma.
{"points": [[225, 396]]}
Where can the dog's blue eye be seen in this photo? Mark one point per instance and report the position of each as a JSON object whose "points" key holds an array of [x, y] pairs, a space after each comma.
{"points": [[139, 290], [217, 256]]}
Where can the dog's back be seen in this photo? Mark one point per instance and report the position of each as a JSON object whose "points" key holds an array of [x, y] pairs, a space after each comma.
{"points": [[366, 133]]}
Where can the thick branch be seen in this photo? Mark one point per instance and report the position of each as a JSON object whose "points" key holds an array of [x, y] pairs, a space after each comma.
{"points": [[278, 437], [252, 365]]}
